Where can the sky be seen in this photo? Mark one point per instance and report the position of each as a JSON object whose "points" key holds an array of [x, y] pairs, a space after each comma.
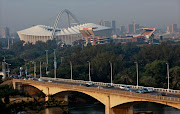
{"points": [[21, 14]]}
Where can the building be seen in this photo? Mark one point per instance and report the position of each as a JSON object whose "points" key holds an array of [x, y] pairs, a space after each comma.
{"points": [[122, 29], [174, 28], [136, 27], [107, 23], [5, 32], [65, 35], [113, 25], [130, 29], [94, 37]]}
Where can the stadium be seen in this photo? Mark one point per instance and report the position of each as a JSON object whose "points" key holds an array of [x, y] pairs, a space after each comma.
{"points": [[66, 35]]}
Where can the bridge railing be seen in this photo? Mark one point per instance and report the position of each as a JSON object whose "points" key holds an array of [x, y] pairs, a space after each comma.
{"points": [[106, 91], [115, 85]]}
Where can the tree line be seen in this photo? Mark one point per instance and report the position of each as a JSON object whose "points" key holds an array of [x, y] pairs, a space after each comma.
{"points": [[151, 60]]}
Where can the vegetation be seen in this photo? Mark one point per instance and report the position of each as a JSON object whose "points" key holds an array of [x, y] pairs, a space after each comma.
{"points": [[151, 60]]}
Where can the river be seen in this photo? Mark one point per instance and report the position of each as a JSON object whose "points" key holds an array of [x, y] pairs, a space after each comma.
{"points": [[99, 109]]}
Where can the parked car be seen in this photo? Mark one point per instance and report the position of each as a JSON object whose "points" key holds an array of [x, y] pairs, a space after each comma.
{"points": [[109, 86], [162, 94], [89, 84]]}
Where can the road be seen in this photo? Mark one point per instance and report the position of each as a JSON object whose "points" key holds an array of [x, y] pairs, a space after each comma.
{"points": [[104, 87]]}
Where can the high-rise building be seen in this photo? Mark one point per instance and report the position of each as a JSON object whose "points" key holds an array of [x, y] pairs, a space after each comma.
{"points": [[130, 28], [136, 26], [5, 32], [122, 29], [107, 23], [113, 25], [174, 28]]}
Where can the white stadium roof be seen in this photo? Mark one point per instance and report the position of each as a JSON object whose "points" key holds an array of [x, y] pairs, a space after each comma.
{"points": [[42, 30]]}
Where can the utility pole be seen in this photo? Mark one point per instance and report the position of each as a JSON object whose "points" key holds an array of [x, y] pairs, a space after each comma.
{"points": [[40, 70], [89, 71], [34, 69], [46, 62], [26, 69], [55, 64], [137, 73], [8, 44], [111, 71], [168, 74], [71, 70]]}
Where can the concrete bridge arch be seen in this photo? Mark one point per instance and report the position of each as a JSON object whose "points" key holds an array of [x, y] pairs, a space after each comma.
{"points": [[113, 102]]}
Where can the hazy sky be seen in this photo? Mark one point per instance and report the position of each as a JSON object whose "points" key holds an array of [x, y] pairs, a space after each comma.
{"points": [[21, 14]]}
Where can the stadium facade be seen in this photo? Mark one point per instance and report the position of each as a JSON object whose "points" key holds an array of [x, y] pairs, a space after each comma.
{"points": [[66, 35]]}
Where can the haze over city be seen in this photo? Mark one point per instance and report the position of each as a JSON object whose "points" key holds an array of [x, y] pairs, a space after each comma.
{"points": [[20, 14]]}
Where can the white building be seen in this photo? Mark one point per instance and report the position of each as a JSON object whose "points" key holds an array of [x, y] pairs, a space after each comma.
{"points": [[66, 35]]}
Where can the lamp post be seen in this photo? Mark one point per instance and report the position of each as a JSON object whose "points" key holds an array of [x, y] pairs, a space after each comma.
{"points": [[55, 64], [71, 69], [89, 71], [111, 71], [137, 72], [46, 62], [40, 70], [34, 69], [26, 69], [168, 74], [8, 68]]}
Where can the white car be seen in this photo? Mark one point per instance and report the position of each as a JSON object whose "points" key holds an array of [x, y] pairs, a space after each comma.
{"points": [[40, 79], [122, 87], [100, 87], [49, 81], [89, 84]]}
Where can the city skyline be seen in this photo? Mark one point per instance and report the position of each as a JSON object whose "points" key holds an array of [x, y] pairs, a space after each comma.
{"points": [[19, 14]]}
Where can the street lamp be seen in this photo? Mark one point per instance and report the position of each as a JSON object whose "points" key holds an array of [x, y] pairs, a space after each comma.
{"points": [[46, 62], [8, 68], [55, 64], [34, 69], [137, 72], [89, 71], [168, 74], [71, 69], [111, 71], [40, 70]]}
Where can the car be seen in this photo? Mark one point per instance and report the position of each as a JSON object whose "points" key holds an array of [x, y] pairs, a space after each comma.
{"points": [[162, 94], [109, 86], [131, 91], [30, 78], [145, 90], [89, 84], [140, 91], [40, 79], [81, 85], [100, 87], [49, 81], [122, 87], [150, 90], [127, 88]]}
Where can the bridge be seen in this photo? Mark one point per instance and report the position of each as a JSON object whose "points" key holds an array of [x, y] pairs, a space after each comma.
{"points": [[114, 100]]}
